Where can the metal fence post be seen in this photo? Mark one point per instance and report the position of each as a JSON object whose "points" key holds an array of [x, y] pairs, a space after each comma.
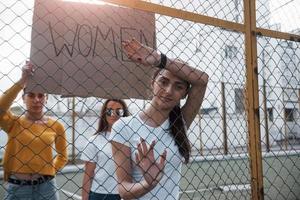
{"points": [[266, 116], [73, 156], [224, 119], [253, 106]]}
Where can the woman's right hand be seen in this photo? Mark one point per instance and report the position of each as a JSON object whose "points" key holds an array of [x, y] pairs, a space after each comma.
{"points": [[27, 71], [152, 170], [140, 53]]}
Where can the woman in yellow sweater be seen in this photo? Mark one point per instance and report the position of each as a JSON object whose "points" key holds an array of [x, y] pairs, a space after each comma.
{"points": [[29, 164]]}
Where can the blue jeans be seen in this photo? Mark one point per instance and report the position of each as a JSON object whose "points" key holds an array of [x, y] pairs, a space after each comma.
{"points": [[98, 196], [44, 191]]}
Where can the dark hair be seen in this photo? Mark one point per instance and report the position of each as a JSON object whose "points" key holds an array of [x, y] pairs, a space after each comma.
{"points": [[178, 131], [177, 128], [26, 92], [103, 125]]}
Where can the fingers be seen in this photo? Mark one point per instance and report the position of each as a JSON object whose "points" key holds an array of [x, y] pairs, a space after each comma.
{"points": [[162, 161], [149, 165], [139, 154], [137, 158], [131, 48], [144, 152], [133, 43], [128, 49], [151, 150], [144, 146], [28, 68]]}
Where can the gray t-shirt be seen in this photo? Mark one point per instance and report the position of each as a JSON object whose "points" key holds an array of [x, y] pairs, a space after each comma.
{"points": [[98, 150], [129, 130]]}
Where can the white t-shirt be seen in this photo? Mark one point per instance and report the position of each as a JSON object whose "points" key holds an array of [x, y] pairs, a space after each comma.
{"points": [[129, 130], [98, 150]]}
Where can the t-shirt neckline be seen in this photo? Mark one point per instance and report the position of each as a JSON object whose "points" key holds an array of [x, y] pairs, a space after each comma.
{"points": [[164, 125]]}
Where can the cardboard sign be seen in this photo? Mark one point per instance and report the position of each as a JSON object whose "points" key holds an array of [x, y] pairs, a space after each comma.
{"points": [[76, 49]]}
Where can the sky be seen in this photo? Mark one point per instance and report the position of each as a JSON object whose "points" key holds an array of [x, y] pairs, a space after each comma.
{"points": [[287, 13], [15, 20]]}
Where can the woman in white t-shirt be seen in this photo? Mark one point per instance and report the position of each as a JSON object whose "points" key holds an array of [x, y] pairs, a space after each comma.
{"points": [[99, 181], [149, 147]]}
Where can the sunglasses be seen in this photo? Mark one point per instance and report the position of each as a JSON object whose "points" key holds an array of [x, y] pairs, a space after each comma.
{"points": [[118, 112]]}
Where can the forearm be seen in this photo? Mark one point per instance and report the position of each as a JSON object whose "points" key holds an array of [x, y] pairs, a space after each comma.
{"points": [[59, 162], [86, 186], [130, 190], [61, 157], [61, 147], [186, 72]]}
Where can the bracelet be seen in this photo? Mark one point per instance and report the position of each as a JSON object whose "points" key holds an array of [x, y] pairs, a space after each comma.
{"points": [[163, 61]]}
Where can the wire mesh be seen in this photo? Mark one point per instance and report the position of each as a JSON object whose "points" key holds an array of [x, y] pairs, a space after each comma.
{"points": [[220, 164]]}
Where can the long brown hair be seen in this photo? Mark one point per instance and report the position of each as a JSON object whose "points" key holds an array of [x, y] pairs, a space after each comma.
{"points": [[103, 124], [177, 128]]}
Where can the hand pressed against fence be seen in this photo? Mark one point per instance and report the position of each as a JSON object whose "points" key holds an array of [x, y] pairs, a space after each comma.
{"points": [[140, 53], [26, 166], [154, 172]]}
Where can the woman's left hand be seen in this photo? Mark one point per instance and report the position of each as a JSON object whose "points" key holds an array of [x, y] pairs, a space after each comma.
{"points": [[140, 53], [152, 170]]}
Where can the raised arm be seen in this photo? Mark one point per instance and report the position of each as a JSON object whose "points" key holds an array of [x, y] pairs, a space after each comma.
{"points": [[195, 95], [147, 56], [6, 99], [10, 95]]}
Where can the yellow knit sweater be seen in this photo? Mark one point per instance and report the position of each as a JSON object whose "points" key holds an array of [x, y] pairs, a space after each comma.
{"points": [[30, 145]]}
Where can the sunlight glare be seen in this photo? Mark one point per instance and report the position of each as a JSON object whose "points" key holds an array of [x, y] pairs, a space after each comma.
{"points": [[98, 2]]}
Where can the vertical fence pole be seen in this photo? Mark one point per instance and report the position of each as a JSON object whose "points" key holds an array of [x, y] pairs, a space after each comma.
{"points": [[224, 119], [284, 120], [266, 116], [200, 136], [257, 191], [299, 108], [73, 130]]}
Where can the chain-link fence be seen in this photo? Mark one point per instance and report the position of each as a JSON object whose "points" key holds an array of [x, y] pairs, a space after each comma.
{"points": [[246, 136]]}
